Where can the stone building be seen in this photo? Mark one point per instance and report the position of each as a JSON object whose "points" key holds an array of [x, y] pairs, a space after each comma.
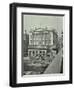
{"points": [[40, 41]]}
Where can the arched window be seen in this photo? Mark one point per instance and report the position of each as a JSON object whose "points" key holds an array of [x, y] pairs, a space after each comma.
{"points": [[29, 53], [33, 53], [43, 53], [36, 52], [40, 51]]}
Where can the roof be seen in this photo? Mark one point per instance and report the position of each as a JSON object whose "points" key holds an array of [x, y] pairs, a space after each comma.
{"points": [[42, 30]]}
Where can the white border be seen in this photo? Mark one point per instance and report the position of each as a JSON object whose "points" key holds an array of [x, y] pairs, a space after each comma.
{"points": [[47, 77]]}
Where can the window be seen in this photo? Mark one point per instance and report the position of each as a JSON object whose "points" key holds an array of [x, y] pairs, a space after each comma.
{"points": [[43, 42], [29, 53], [36, 52], [33, 52], [44, 52], [30, 42], [47, 42]]}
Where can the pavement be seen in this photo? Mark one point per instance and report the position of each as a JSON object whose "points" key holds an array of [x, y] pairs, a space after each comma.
{"points": [[55, 66]]}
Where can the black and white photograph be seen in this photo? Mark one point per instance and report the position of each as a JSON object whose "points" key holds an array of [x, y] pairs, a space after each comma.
{"points": [[42, 44]]}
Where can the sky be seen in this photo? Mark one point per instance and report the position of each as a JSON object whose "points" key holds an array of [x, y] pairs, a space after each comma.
{"points": [[51, 22]]}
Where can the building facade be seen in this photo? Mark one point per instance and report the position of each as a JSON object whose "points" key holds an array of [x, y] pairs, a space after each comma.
{"points": [[25, 44], [40, 41]]}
